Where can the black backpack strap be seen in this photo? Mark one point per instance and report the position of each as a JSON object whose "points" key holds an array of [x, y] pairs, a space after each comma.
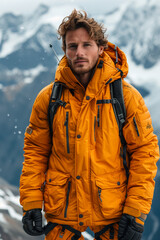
{"points": [[120, 114], [97, 235], [50, 226], [55, 102], [77, 234]]}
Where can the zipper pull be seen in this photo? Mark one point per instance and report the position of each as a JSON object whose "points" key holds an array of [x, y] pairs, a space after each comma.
{"points": [[99, 194], [66, 121], [67, 132], [136, 127], [67, 199], [43, 186]]}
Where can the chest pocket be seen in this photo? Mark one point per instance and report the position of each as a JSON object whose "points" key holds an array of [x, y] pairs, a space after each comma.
{"points": [[64, 125]]}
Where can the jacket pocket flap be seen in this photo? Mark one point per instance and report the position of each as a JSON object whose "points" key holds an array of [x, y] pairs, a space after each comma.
{"points": [[112, 180], [56, 178]]}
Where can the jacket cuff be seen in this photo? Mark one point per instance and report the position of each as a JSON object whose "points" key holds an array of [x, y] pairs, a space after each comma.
{"points": [[139, 221], [32, 205], [132, 211], [135, 213]]}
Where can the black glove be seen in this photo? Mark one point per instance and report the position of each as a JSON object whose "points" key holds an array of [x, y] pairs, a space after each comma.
{"points": [[129, 229], [32, 222]]}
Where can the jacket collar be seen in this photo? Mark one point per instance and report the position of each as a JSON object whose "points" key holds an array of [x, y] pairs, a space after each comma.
{"points": [[110, 66]]}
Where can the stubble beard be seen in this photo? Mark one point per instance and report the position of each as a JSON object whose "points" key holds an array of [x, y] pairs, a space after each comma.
{"points": [[81, 69]]}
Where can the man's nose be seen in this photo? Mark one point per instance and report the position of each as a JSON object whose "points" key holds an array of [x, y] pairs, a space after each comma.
{"points": [[80, 51]]}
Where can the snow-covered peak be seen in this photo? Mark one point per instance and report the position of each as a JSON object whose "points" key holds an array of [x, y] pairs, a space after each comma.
{"points": [[26, 27], [57, 13], [41, 10], [136, 30], [141, 3], [132, 27], [146, 3], [10, 22]]}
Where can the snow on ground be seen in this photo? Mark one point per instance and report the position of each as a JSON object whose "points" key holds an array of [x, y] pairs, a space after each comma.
{"points": [[2, 219], [10, 197], [7, 197]]}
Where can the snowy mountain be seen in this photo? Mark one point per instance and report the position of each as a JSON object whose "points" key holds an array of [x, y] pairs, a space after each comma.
{"points": [[27, 64], [11, 214], [132, 27], [138, 31]]}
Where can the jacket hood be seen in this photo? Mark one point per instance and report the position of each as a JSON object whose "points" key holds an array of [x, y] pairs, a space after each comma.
{"points": [[118, 57], [112, 64]]}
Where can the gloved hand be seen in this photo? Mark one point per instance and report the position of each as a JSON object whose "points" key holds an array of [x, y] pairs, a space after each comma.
{"points": [[129, 229], [32, 222]]}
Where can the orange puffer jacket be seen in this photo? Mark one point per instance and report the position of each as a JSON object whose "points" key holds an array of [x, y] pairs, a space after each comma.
{"points": [[79, 175]]}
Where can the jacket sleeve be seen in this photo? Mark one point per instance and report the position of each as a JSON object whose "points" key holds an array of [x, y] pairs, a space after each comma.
{"points": [[37, 147], [143, 150]]}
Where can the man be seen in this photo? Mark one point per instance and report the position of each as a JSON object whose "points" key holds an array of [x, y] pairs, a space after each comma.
{"points": [[77, 172]]}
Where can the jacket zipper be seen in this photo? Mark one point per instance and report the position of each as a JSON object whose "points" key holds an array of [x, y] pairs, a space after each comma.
{"points": [[98, 116], [67, 132], [67, 199], [99, 194], [95, 128], [136, 127]]}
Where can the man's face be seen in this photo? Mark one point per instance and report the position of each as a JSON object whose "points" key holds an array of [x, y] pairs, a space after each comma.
{"points": [[81, 51]]}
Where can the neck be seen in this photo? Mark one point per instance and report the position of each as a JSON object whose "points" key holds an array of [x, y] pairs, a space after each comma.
{"points": [[84, 78]]}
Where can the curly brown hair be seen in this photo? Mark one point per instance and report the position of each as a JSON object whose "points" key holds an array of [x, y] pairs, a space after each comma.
{"points": [[78, 19]]}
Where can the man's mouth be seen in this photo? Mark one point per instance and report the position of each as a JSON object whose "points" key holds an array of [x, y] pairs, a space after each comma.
{"points": [[78, 61]]}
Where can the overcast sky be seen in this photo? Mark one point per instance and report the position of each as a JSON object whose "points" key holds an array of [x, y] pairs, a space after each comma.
{"points": [[27, 6]]}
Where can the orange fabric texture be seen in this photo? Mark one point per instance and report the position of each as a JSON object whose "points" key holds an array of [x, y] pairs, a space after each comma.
{"points": [[57, 233], [83, 172]]}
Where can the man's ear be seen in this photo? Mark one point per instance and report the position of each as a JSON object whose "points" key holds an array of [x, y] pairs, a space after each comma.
{"points": [[101, 49]]}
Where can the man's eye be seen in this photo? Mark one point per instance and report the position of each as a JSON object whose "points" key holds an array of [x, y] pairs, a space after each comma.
{"points": [[73, 46], [87, 44]]}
